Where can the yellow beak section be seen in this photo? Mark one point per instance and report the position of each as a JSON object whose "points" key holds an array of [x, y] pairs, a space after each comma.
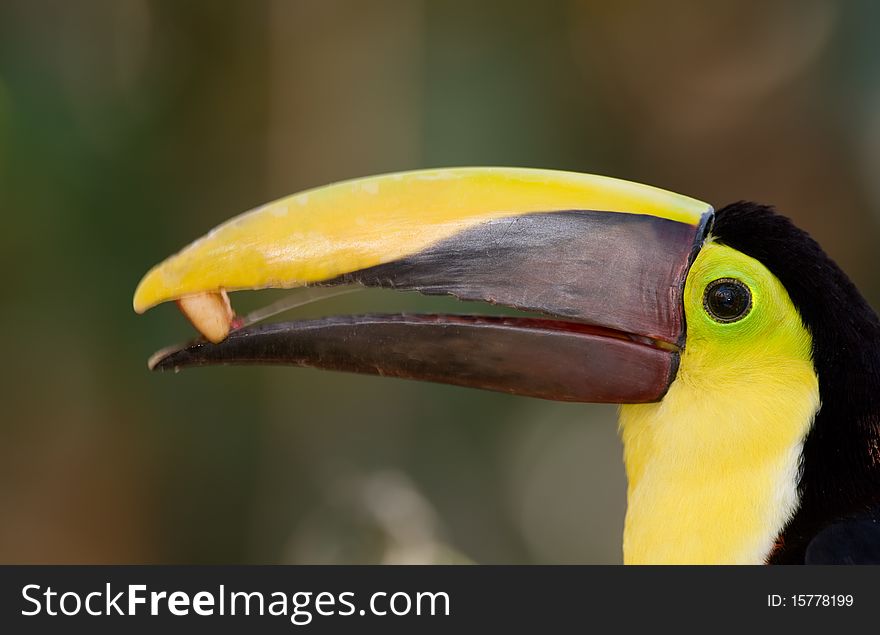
{"points": [[326, 232]]}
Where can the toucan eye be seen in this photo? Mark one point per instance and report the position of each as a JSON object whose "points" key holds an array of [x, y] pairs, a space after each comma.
{"points": [[727, 300]]}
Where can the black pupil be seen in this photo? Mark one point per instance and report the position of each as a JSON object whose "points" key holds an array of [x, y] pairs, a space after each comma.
{"points": [[727, 300]]}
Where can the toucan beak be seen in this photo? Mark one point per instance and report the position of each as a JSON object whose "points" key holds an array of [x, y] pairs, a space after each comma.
{"points": [[603, 261]]}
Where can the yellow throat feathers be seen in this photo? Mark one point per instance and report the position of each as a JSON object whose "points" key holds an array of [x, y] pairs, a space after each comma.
{"points": [[713, 468]]}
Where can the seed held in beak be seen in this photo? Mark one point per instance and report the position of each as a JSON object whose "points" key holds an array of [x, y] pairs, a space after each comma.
{"points": [[210, 312]]}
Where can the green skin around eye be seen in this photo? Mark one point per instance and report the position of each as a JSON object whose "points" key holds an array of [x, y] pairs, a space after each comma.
{"points": [[772, 326]]}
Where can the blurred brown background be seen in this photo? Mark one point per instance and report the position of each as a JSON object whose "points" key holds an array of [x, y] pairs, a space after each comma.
{"points": [[128, 128]]}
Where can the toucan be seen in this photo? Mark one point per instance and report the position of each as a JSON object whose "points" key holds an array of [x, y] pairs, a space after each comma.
{"points": [[746, 363]]}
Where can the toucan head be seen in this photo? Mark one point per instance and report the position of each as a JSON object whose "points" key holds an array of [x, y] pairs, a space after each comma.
{"points": [[632, 298]]}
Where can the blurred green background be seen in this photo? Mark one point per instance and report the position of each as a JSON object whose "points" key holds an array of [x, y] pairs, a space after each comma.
{"points": [[130, 127]]}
